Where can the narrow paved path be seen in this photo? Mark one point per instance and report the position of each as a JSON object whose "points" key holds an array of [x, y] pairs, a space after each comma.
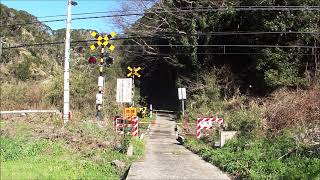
{"points": [[166, 159]]}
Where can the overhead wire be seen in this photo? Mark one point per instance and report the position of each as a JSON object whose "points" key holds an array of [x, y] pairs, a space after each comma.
{"points": [[173, 45], [202, 8], [168, 35], [309, 8], [199, 53], [124, 37]]}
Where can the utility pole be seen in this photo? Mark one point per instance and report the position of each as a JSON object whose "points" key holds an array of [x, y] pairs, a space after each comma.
{"points": [[1, 46], [66, 74]]}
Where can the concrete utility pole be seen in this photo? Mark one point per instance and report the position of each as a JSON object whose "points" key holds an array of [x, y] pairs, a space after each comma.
{"points": [[66, 75]]}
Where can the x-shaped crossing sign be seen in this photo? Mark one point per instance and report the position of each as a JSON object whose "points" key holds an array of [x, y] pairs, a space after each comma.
{"points": [[102, 41], [133, 71]]}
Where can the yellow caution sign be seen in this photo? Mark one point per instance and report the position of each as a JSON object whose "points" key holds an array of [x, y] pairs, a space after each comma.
{"points": [[134, 72], [129, 112], [102, 41], [143, 110]]}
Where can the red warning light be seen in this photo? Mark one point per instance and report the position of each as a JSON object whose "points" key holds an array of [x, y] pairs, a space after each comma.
{"points": [[92, 60]]}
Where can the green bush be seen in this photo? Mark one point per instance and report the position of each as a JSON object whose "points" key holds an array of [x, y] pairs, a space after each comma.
{"points": [[261, 158], [22, 70], [245, 121]]}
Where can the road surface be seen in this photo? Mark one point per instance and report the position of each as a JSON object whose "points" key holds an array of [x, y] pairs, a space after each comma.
{"points": [[166, 159]]}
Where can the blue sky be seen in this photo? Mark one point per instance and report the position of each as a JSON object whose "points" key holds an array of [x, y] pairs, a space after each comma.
{"points": [[58, 7]]}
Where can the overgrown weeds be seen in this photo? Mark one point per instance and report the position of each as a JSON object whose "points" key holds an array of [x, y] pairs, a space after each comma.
{"points": [[36, 147], [292, 109], [278, 136], [261, 158]]}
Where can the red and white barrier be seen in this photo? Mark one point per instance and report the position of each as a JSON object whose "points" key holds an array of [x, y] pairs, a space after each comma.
{"points": [[206, 123], [135, 129], [118, 124]]}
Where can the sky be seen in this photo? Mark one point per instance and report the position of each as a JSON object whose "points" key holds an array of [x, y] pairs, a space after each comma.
{"points": [[59, 7]]}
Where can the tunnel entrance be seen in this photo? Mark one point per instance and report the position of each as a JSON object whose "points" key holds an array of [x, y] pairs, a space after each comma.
{"points": [[159, 87]]}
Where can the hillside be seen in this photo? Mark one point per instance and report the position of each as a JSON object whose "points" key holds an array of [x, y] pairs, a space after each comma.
{"points": [[41, 66], [40, 146], [34, 62]]}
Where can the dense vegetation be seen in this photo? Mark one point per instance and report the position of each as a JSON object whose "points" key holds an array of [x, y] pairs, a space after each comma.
{"points": [[262, 158], [261, 71], [270, 95]]}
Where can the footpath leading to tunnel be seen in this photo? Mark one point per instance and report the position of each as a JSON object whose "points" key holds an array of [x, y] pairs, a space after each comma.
{"points": [[166, 159]]}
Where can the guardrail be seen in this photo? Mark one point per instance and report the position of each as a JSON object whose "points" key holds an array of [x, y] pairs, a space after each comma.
{"points": [[29, 111], [164, 111]]}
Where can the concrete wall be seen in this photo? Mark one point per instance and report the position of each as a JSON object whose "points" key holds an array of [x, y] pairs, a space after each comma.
{"points": [[225, 136]]}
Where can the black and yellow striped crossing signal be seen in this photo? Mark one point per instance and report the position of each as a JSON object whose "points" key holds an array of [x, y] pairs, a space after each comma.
{"points": [[102, 41], [133, 71]]}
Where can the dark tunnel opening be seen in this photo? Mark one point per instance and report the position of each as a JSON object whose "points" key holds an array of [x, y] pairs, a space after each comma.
{"points": [[159, 87]]}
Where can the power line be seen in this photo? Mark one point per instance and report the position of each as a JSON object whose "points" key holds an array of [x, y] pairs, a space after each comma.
{"points": [[200, 8], [85, 13], [198, 53], [177, 45], [167, 35], [224, 45], [275, 8], [124, 37], [164, 34]]}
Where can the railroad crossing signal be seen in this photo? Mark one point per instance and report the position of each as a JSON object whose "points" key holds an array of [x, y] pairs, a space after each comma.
{"points": [[102, 41], [133, 71]]}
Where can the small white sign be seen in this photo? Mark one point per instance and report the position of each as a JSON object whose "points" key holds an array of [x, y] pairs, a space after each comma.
{"points": [[101, 81], [99, 99], [182, 93], [124, 90], [205, 124]]}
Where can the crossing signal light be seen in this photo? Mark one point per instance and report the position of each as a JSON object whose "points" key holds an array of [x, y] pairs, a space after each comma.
{"points": [[109, 61], [92, 60]]}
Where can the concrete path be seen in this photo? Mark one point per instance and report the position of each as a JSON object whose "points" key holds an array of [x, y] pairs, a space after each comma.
{"points": [[166, 159]]}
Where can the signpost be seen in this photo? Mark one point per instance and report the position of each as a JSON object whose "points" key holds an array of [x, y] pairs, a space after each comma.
{"points": [[124, 90], [101, 41], [182, 96], [133, 72]]}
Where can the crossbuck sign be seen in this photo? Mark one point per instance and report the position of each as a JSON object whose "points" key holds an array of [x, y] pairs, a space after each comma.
{"points": [[124, 90]]}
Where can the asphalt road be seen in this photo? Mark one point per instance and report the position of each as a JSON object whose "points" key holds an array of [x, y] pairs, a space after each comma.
{"points": [[166, 159]]}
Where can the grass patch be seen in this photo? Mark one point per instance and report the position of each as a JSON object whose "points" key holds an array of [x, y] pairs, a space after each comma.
{"points": [[44, 159], [261, 158], [24, 155]]}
